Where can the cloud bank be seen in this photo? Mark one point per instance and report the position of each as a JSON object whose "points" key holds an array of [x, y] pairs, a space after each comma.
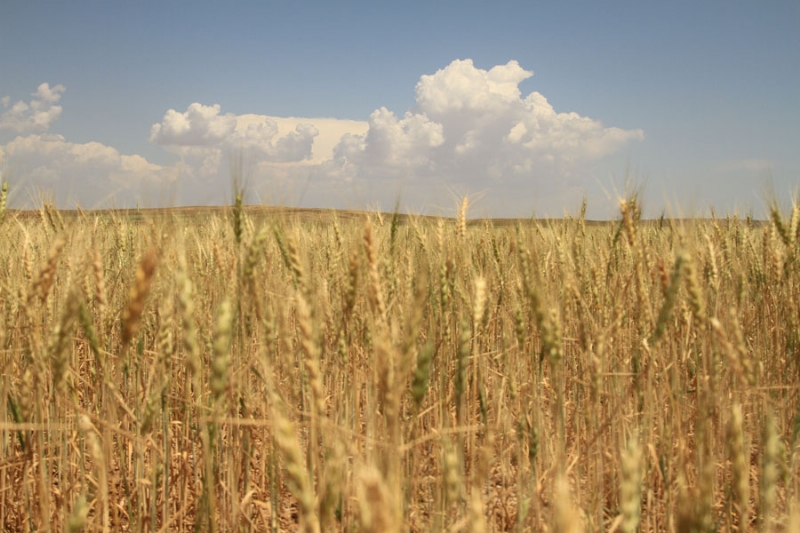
{"points": [[470, 130], [88, 174]]}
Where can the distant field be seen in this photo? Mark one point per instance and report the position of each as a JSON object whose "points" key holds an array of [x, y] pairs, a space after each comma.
{"points": [[311, 214], [278, 369]]}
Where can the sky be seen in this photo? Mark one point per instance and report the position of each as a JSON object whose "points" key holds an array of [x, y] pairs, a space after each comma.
{"points": [[525, 107]]}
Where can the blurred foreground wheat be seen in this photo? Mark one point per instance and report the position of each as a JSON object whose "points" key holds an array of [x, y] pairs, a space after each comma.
{"points": [[246, 372]]}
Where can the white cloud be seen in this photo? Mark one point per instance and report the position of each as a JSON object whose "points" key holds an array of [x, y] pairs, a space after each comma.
{"points": [[330, 132], [91, 174], [473, 128], [277, 152], [203, 126], [460, 87], [200, 125], [261, 138], [398, 143], [37, 115]]}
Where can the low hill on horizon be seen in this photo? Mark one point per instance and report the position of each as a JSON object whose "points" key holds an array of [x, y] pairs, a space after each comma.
{"points": [[315, 214]]}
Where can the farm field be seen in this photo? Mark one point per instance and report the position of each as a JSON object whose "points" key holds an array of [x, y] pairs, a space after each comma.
{"points": [[260, 369]]}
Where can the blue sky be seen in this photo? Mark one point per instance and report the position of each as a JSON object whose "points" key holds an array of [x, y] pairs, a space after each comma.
{"points": [[696, 99]]}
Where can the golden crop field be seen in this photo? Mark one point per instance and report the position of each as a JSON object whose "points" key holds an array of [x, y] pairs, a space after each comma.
{"points": [[264, 370]]}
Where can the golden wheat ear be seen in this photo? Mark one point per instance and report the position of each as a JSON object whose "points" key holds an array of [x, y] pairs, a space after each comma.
{"points": [[137, 296]]}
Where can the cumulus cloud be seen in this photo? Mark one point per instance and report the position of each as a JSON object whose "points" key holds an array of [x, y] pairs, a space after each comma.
{"points": [[261, 138], [202, 126], [37, 115], [91, 174], [199, 125], [460, 87], [330, 132], [397, 143], [472, 126]]}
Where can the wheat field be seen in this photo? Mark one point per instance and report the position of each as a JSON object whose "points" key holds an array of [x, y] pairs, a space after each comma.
{"points": [[249, 371]]}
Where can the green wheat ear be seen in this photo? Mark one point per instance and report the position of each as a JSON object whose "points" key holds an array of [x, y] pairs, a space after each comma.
{"points": [[221, 354], [422, 375]]}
